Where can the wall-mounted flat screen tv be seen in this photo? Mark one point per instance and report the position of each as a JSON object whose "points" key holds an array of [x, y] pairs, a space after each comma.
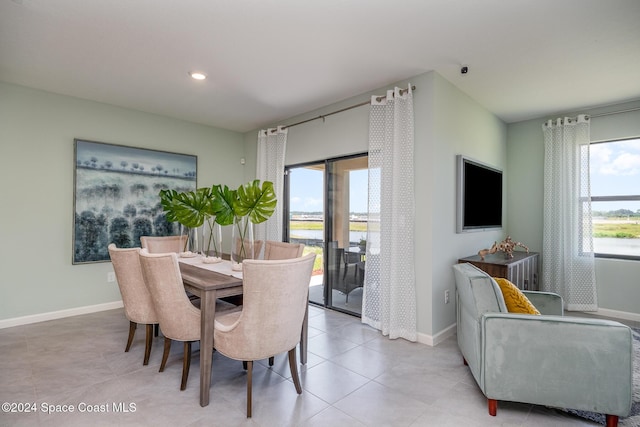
{"points": [[479, 196]]}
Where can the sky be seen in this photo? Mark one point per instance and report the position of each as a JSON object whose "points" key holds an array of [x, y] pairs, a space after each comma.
{"points": [[306, 190], [615, 170], [307, 193]]}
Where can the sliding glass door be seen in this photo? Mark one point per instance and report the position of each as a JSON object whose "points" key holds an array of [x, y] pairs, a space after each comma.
{"points": [[326, 209]]}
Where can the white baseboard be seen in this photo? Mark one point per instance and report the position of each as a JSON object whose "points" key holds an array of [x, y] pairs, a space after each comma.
{"points": [[52, 315], [433, 340], [619, 314]]}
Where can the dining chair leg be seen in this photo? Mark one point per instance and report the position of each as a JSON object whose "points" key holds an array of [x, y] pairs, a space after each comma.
{"points": [[293, 367], [304, 334], [244, 365], [148, 340], [156, 328], [271, 360], [132, 332], [186, 364], [249, 386], [165, 353]]}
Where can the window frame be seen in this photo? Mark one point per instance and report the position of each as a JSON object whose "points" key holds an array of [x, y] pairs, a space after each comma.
{"points": [[620, 198]]}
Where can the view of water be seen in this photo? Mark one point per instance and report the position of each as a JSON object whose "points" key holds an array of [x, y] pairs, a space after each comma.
{"points": [[611, 245], [354, 236]]}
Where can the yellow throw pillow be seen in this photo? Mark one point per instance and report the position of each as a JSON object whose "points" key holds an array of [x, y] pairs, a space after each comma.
{"points": [[515, 300]]}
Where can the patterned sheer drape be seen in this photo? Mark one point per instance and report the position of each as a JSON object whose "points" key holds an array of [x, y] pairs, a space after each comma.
{"points": [[272, 145], [567, 249], [389, 299]]}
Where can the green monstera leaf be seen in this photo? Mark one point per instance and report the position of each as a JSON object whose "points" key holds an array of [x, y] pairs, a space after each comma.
{"points": [[255, 201], [166, 200], [223, 203], [189, 208]]}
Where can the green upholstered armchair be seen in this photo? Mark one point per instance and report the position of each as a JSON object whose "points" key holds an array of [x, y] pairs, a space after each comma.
{"points": [[551, 360]]}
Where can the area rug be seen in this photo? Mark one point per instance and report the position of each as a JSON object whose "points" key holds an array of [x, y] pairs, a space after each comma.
{"points": [[633, 420]]}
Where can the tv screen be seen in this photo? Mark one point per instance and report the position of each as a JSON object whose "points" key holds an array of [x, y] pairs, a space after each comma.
{"points": [[479, 205]]}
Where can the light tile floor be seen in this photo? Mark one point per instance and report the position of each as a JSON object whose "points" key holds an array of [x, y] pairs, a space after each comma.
{"points": [[354, 377]]}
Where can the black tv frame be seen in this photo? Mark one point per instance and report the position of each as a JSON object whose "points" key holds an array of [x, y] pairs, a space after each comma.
{"points": [[468, 192]]}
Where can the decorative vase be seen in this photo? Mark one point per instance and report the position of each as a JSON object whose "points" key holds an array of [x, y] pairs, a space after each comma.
{"points": [[191, 247], [211, 241], [242, 242]]}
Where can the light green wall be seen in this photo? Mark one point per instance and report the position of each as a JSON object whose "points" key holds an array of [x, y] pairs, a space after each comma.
{"points": [[447, 122], [617, 280], [461, 126], [525, 161], [37, 130], [36, 149]]}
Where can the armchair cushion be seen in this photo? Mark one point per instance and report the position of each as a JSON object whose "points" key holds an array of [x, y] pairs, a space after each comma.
{"points": [[515, 300]]}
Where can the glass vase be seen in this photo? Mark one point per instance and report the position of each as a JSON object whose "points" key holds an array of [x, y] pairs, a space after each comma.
{"points": [[211, 241], [242, 241], [192, 246]]}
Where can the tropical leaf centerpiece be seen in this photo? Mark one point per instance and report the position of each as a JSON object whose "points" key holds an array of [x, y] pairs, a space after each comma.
{"points": [[191, 208], [254, 203], [250, 203]]}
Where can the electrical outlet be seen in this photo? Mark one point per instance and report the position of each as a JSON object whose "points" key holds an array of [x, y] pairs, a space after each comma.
{"points": [[446, 296], [111, 277]]}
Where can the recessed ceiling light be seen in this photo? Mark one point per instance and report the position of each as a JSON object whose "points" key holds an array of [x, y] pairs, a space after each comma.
{"points": [[197, 75]]}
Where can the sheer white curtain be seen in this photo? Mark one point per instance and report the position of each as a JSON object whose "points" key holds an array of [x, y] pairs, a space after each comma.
{"points": [[272, 145], [389, 299], [567, 247]]}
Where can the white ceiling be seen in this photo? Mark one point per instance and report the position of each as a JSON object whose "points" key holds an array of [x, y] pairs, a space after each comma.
{"points": [[268, 60]]}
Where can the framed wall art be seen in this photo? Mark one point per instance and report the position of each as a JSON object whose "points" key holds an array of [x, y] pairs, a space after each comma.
{"points": [[116, 195]]}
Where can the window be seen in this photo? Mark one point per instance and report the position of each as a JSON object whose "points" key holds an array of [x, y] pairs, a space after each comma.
{"points": [[326, 206], [615, 198]]}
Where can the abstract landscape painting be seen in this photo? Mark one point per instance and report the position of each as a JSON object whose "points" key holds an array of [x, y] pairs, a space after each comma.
{"points": [[116, 195]]}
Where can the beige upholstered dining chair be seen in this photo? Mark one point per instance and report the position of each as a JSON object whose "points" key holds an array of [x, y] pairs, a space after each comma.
{"points": [[179, 318], [275, 299], [163, 244], [166, 244], [138, 306], [282, 250]]}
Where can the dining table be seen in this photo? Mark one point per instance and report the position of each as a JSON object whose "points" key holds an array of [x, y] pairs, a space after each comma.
{"points": [[211, 281]]}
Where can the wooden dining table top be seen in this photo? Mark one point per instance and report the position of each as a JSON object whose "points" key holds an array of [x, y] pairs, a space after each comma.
{"points": [[198, 276]]}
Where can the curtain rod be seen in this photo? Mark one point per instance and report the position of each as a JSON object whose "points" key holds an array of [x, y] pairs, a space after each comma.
{"points": [[322, 116], [613, 112]]}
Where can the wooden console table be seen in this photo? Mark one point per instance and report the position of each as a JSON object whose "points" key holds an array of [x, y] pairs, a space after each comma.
{"points": [[521, 270]]}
